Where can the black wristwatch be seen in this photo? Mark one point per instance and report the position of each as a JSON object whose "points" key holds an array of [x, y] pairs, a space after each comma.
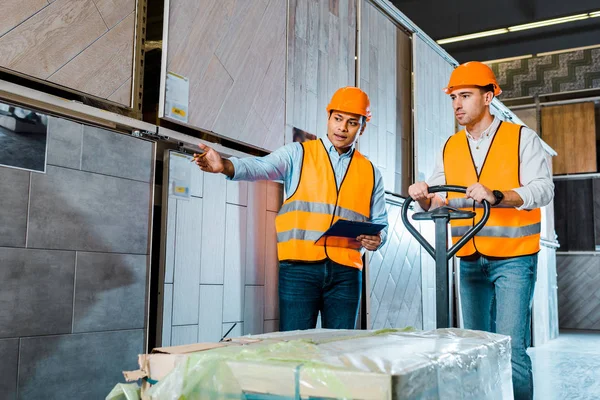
{"points": [[499, 197]]}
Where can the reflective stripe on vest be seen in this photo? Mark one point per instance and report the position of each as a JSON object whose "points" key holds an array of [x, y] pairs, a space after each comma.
{"points": [[509, 232], [299, 234], [317, 203], [323, 208], [500, 231]]}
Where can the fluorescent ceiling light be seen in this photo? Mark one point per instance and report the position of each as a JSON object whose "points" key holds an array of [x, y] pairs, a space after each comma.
{"points": [[508, 59], [473, 36], [548, 22], [549, 53], [523, 27]]}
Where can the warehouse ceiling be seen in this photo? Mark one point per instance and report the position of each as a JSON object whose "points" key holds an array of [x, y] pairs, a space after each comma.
{"points": [[448, 18]]}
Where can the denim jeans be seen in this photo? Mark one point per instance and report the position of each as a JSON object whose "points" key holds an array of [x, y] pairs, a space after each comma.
{"points": [[305, 289], [496, 296]]}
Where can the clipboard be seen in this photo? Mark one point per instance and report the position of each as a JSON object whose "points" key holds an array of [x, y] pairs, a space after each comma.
{"points": [[343, 233]]}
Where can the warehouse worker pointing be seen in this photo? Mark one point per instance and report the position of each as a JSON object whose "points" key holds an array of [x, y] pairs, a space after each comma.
{"points": [[325, 180], [505, 164]]}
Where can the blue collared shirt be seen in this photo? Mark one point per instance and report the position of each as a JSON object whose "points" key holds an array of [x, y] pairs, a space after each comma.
{"points": [[285, 163]]}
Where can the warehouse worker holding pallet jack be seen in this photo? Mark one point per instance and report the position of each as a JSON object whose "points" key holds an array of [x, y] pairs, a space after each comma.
{"points": [[325, 180], [504, 164]]}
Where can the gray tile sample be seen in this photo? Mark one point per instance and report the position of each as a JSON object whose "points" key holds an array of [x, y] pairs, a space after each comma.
{"points": [[110, 153], [9, 354], [211, 313], [37, 292], [64, 143], [14, 194], [110, 292], [77, 210], [80, 366]]}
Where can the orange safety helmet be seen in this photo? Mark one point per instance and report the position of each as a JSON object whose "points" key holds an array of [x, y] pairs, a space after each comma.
{"points": [[472, 73], [352, 100]]}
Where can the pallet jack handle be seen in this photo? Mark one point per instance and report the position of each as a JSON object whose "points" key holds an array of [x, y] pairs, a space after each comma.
{"points": [[441, 254]]}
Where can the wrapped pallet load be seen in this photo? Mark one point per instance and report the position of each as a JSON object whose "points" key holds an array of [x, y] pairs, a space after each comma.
{"points": [[332, 364]]}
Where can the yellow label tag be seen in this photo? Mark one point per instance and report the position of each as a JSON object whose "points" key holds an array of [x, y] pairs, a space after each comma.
{"points": [[178, 111], [179, 189]]}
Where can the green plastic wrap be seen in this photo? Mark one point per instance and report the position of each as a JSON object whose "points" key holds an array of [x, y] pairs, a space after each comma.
{"points": [[124, 391], [208, 375]]}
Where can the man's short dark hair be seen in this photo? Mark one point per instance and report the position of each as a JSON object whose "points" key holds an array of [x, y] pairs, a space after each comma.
{"points": [[363, 119], [488, 88]]}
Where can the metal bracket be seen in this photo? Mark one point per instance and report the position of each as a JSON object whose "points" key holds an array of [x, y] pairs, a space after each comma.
{"points": [[148, 135]]}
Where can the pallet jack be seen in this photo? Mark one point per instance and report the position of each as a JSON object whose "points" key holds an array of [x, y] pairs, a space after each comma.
{"points": [[441, 254]]}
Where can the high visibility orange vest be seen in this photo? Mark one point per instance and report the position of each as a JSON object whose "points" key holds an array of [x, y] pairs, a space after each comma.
{"points": [[317, 204], [509, 232]]}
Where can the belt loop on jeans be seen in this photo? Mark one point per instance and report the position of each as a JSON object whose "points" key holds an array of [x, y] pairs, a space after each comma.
{"points": [[473, 257], [476, 256]]}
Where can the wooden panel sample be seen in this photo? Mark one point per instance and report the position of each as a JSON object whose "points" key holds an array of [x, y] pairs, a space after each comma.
{"points": [[395, 279], [39, 47], [321, 59], [385, 76], [114, 11], [233, 54], [213, 230], [575, 229], [210, 93], [86, 45], [274, 196], [16, 11], [271, 325], [580, 223], [434, 118], [578, 291], [167, 315], [184, 334], [223, 247], [237, 329], [571, 130], [169, 256], [99, 70], [235, 263], [271, 270], [186, 278], [211, 313], [237, 192], [254, 310], [529, 116], [123, 94], [256, 233]]}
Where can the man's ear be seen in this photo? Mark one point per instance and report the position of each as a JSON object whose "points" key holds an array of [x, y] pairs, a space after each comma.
{"points": [[489, 96], [362, 128]]}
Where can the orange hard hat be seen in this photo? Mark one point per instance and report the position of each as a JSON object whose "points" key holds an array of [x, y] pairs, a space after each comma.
{"points": [[352, 100], [472, 73]]}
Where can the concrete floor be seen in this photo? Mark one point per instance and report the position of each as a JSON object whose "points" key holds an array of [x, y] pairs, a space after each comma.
{"points": [[568, 367]]}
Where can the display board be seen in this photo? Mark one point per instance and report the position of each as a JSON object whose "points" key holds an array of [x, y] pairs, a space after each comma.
{"points": [[85, 45], [223, 68]]}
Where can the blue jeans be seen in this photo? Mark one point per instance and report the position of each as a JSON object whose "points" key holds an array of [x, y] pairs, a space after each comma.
{"points": [[496, 296], [306, 289]]}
